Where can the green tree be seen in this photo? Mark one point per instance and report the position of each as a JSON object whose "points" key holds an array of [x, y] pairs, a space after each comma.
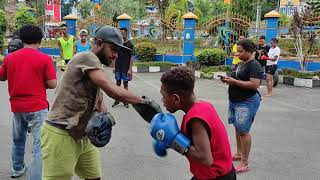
{"points": [[23, 17], [245, 7], [66, 6], [113, 8], [314, 5], [284, 19], [3, 28], [3, 4], [267, 6], [85, 8], [210, 8], [179, 8], [162, 6]]}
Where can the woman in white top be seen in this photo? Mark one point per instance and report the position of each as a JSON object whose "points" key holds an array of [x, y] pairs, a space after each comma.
{"points": [[272, 61]]}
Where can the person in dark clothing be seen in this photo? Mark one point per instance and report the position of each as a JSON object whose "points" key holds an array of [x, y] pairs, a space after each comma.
{"points": [[123, 65], [262, 49], [15, 43], [244, 100]]}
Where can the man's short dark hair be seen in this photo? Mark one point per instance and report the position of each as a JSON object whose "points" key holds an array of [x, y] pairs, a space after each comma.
{"points": [[275, 40], [31, 34], [262, 37], [247, 45], [179, 80], [124, 29], [63, 25]]}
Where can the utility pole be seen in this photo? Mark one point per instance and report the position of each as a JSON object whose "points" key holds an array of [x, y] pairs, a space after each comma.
{"points": [[258, 15]]}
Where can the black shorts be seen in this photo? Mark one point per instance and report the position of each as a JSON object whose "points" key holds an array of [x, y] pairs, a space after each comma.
{"points": [[271, 69], [67, 61], [230, 176]]}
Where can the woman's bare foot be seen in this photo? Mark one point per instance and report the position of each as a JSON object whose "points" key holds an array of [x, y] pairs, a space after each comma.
{"points": [[267, 95], [236, 157]]}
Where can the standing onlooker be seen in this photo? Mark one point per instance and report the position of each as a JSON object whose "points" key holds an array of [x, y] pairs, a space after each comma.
{"points": [[15, 43], [29, 73], [244, 100], [123, 65], [234, 53], [262, 50], [83, 44], [272, 64], [65, 45]]}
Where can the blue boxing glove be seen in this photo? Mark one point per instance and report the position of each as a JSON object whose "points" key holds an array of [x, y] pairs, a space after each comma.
{"points": [[160, 148], [164, 128]]}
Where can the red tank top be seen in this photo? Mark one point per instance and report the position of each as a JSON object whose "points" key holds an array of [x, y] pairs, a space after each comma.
{"points": [[219, 142]]}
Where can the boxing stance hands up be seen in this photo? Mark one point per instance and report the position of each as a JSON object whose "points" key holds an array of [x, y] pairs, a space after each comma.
{"points": [[166, 133]]}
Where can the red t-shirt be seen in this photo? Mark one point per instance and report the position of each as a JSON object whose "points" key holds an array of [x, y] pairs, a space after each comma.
{"points": [[219, 142], [27, 71]]}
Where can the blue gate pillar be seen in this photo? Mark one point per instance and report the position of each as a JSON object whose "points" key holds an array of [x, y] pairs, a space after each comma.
{"points": [[272, 25], [188, 36], [71, 21], [124, 21]]}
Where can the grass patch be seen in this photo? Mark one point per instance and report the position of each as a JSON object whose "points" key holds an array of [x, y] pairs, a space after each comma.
{"points": [[153, 63], [212, 69], [299, 74], [207, 72]]}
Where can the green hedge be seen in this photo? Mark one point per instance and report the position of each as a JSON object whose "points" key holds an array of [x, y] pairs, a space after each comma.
{"points": [[222, 68], [299, 74], [161, 64], [208, 72], [211, 57], [143, 39], [145, 51], [3, 28]]}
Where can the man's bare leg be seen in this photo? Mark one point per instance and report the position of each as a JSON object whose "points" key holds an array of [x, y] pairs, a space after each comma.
{"points": [[269, 80]]}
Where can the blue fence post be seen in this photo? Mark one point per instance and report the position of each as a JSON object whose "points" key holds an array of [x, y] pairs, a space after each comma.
{"points": [[272, 25], [188, 35], [71, 22], [124, 21]]}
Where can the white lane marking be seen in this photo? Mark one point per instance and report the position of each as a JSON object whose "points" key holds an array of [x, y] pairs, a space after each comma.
{"points": [[143, 80]]}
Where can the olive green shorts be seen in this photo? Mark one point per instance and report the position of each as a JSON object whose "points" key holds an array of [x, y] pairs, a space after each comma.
{"points": [[62, 156]]}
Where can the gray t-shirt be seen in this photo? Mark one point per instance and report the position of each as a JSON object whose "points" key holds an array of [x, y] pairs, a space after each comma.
{"points": [[76, 95]]}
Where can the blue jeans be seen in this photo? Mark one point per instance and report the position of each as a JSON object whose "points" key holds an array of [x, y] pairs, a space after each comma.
{"points": [[21, 123], [242, 113]]}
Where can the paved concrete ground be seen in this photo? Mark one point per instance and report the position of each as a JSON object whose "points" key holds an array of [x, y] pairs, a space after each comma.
{"points": [[285, 134]]}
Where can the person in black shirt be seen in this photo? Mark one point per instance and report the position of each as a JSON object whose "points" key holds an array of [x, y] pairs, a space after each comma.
{"points": [[262, 49], [123, 65], [244, 100]]}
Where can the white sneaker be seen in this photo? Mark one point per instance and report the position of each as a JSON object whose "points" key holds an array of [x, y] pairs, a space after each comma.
{"points": [[15, 174]]}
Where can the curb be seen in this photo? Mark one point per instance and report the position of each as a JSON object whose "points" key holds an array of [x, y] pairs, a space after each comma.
{"points": [[149, 69], [299, 82]]}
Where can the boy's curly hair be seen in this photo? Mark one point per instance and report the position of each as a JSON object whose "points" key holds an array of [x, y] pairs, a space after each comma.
{"points": [[31, 34], [179, 80]]}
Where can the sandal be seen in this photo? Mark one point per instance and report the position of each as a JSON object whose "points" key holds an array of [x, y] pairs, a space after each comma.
{"points": [[241, 169]]}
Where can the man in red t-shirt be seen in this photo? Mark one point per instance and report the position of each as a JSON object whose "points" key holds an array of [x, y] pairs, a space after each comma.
{"points": [[29, 73], [209, 154]]}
